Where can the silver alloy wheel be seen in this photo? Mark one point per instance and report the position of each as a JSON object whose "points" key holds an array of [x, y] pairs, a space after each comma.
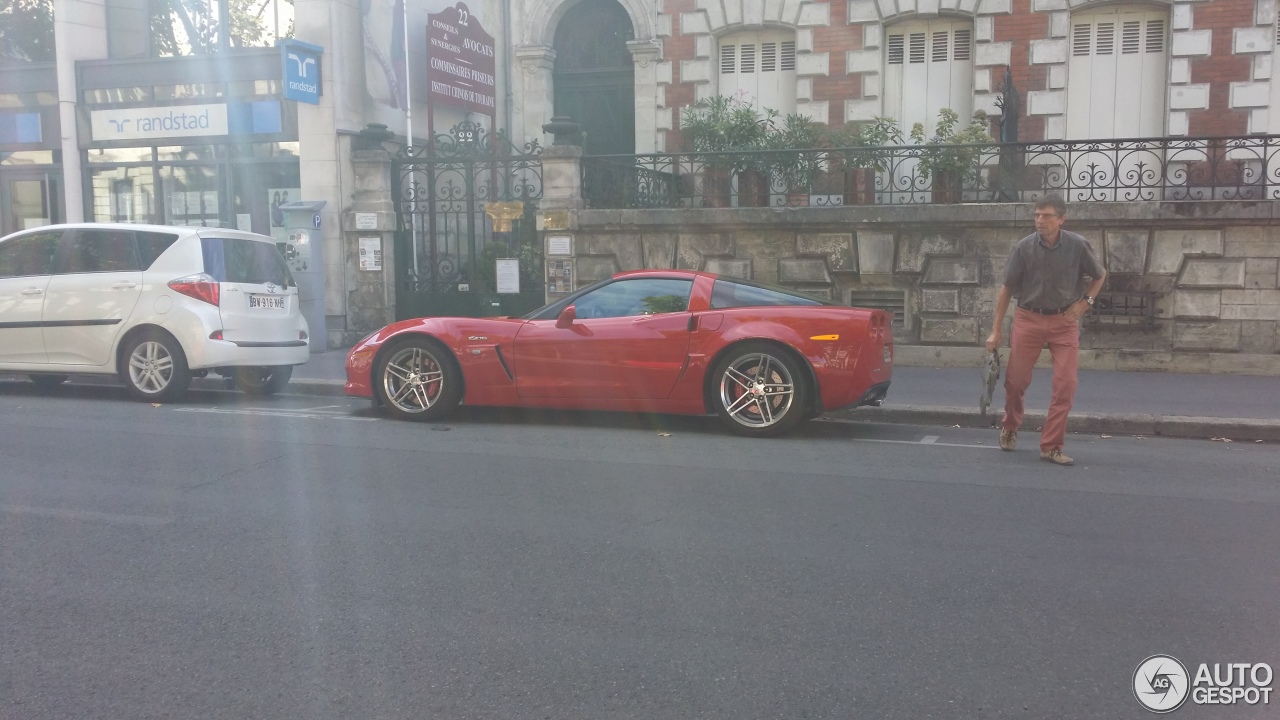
{"points": [[151, 367], [757, 390], [413, 380]]}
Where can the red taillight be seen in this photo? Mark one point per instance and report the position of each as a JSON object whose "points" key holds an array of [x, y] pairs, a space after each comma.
{"points": [[201, 287], [215, 335]]}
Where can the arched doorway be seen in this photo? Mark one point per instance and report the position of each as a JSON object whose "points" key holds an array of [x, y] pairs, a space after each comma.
{"points": [[594, 78]]}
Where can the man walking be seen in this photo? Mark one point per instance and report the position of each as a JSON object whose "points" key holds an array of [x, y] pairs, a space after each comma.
{"points": [[1046, 273]]}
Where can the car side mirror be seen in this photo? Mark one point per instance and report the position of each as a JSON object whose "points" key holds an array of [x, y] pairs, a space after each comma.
{"points": [[566, 317]]}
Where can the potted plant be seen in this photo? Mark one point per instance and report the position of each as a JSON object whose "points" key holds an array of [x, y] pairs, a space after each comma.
{"points": [[724, 125], [864, 154], [795, 160], [951, 156]]}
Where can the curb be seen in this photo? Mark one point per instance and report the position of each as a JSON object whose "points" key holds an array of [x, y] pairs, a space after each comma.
{"points": [[1172, 426]]}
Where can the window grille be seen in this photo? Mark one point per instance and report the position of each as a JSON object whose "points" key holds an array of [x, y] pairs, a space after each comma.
{"points": [[747, 59], [1155, 36], [727, 58], [940, 46], [768, 57], [963, 44], [788, 55], [916, 49], [896, 49], [893, 302], [1130, 37], [1081, 41], [1106, 39]]}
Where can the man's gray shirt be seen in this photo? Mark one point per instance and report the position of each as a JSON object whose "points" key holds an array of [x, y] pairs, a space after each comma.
{"points": [[1048, 278]]}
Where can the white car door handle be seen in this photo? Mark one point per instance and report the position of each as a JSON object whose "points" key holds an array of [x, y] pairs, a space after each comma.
{"points": [[33, 291], [126, 285]]}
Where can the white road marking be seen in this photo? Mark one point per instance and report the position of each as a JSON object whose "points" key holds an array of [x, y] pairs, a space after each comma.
{"points": [[930, 444], [278, 413], [89, 515], [928, 439]]}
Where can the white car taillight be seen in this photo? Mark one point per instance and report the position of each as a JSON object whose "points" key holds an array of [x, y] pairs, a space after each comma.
{"points": [[201, 287]]}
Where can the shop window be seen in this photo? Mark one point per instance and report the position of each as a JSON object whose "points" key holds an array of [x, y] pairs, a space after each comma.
{"points": [[760, 67]]}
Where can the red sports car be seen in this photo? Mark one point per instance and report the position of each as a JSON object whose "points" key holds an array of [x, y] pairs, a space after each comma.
{"points": [[763, 358]]}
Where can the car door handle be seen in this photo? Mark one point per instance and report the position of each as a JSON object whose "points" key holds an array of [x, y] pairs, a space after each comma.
{"points": [[33, 291], [126, 285]]}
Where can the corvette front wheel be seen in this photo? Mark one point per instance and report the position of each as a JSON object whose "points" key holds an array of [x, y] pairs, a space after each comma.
{"points": [[418, 380], [760, 391]]}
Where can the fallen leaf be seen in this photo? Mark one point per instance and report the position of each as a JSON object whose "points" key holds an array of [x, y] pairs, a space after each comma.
{"points": [[155, 404], [1225, 440], [1257, 441], [955, 426], [664, 434], [1106, 436]]}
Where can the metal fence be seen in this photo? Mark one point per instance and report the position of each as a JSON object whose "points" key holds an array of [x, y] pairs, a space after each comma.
{"points": [[1218, 168]]}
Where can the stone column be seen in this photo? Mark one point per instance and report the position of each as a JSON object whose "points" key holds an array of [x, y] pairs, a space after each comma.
{"points": [[537, 99], [79, 33], [645, 54], [558, 217], [369, 227]]}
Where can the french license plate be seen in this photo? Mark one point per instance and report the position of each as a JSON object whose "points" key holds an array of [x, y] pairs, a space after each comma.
{"points": [[267, 302]]}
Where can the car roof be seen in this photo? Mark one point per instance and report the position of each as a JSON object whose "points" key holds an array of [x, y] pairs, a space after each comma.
{"points": [[185, 230], [663, 273]]}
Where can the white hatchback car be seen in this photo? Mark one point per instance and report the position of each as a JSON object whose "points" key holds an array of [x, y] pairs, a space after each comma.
{"points": [[154, 305]]}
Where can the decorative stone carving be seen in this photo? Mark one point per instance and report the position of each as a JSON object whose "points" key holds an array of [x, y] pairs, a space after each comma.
{"points": [[693, 248], [875, 252], [1213, 273], [915, 250], [836, 248], [952, 271], [953, 331], [803, 271], [1169, 247], [1126, 252], [933, 300]]}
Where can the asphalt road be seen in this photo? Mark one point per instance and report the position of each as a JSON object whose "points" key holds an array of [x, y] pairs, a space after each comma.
{"points": [[301, 557]]}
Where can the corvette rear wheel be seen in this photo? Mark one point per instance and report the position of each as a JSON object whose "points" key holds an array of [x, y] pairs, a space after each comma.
{"points": [[760, 391], [419, 380]]}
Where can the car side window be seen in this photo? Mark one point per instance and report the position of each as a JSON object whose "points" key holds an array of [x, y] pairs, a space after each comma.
{"points": [[28, 255], [641, 296], [100, 251], [727, 294], [153, 244]]}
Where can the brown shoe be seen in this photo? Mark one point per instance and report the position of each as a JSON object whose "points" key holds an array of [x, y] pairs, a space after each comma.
{"points": [[1056, 457], [1008, 439]]}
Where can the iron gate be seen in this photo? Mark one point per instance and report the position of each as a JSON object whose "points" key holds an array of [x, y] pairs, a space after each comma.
{"points": [[447, 246]]}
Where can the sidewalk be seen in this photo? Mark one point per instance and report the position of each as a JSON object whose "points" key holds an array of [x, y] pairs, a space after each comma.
{"points": [[1240, 407]]}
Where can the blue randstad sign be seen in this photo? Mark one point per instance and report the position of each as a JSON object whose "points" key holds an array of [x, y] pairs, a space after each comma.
{"points": [[301, 70]]}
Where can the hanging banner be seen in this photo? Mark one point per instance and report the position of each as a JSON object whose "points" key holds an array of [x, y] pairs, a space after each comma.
{"points": [[460, 61]]}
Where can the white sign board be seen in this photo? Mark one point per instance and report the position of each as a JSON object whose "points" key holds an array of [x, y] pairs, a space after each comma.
{"points": [[559, 245], [370, 253], [146, 123], [366, 221], [508, 272]]}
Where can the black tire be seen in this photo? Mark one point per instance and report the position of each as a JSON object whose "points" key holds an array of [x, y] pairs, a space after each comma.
{"points": [[760, 390], [153, 367], [417, 379], [46, 383], [263, 381]]}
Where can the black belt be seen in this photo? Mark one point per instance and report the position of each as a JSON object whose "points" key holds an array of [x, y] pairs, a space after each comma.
{"points": [[1046, 311]]}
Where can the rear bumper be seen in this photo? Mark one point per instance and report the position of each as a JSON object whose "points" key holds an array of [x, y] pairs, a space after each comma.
{"points": [[223, 353]]}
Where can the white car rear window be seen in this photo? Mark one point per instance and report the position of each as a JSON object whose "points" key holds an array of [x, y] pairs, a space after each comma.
{"points": [[244, 261]]}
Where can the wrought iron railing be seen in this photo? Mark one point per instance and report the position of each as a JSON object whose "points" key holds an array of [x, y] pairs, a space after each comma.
{"points": [[1218, 168]]}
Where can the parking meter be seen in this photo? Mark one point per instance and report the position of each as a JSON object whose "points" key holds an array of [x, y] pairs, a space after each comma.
{"points": [[303, 251]]}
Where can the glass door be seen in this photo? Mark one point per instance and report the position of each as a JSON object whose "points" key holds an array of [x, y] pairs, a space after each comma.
{"points": [[29, 200]]}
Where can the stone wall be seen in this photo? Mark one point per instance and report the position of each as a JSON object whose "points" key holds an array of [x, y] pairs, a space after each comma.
{"points": [[1211, 270]]}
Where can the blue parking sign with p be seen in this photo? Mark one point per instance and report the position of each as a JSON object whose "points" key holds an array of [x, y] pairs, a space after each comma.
{"points": [[301, 71]]}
